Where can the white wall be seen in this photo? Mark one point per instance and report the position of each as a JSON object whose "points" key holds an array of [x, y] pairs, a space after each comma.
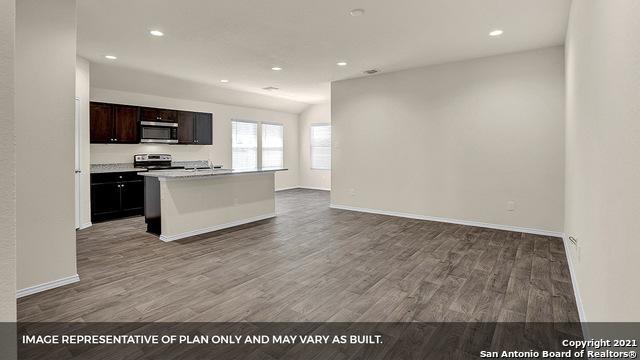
{"points": [[219, 152], [455, 141], [312, 178], [8, 165], [45, 61], [82, 92], [603, 155]]}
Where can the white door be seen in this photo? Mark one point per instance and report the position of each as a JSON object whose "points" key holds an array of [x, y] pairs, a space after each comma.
{"points": [[78, 171]]}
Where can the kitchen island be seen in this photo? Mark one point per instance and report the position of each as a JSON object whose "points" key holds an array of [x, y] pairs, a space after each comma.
{"points": [[184, 203]]}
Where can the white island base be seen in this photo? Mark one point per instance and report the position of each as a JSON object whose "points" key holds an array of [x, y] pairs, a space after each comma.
{"points": [[179, 204]]}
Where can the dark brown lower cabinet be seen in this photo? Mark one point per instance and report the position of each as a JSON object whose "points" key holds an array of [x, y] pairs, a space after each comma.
{"points": [[132, 196], [116, 195]]}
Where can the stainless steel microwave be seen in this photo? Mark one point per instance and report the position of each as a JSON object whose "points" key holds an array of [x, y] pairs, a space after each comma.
{"points": [[158, 132]]}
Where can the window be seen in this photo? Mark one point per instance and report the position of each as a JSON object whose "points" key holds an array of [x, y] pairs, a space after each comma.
{"points": [[272, 146], [321, 146], [244, 145]]}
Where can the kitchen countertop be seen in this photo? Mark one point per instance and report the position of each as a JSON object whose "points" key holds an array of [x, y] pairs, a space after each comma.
{"points": [[202, 173], [111, 168], [128, 167]]}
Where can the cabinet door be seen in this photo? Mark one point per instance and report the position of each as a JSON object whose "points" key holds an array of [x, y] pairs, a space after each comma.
{"points": [[167, 115], [186, 127], [204, 129], [105, 199], [101, 123], [132, 195], [149, 114], [155, 114], [126, 124]]}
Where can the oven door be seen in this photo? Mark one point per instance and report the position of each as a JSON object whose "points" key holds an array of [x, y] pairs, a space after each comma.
{"points": [[158, 132]]}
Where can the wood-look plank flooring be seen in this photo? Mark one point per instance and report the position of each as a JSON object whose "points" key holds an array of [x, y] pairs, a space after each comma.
{"points": [[313, 263]]}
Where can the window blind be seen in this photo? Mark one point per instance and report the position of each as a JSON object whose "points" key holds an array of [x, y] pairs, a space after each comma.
{"points": [[244, 143], [272, 146], [321, 147]]}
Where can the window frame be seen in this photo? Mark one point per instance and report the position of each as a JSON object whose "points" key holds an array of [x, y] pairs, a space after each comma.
{"points": [[260, 128], [259, 140], [258, 152], [311, 146]]}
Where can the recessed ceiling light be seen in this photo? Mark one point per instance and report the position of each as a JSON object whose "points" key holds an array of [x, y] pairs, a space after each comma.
{"points": [[341, 63], [356, 12], [156, 33], [270, 88], [276, 68], [496, 32], [224, 81], [111, 57]]}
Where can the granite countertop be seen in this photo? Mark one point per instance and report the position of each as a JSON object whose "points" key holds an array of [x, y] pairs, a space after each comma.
{"points": [[128, 167], [202, 173], [110, 168]]}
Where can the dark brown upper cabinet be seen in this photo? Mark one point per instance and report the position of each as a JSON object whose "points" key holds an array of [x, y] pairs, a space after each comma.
{"points": [[186, 128], [203, 134], [101, 123], [120, 124], [163, 115], [195, 128], [111, 123], [126, 124]]}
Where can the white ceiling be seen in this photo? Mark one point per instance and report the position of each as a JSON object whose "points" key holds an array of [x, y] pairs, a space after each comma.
{"points": [[240, 40]]}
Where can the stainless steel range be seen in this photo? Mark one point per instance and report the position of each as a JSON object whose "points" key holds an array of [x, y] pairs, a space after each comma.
{"points": [[165, 162], [154, 162]]}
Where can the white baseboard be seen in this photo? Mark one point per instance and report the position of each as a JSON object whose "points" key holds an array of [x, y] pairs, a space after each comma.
{"points": [[576, 291], [47, 286], [304, 187], [85, 225], [314, 188], [452, 221], [288, 188], [167, 238]]}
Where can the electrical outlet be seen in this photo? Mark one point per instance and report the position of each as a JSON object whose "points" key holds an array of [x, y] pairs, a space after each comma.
{"points": [[511, 205]]}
